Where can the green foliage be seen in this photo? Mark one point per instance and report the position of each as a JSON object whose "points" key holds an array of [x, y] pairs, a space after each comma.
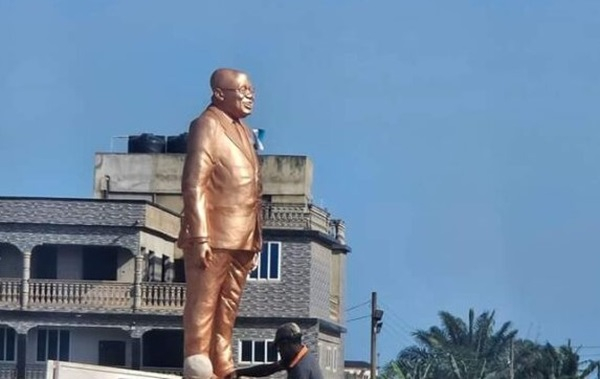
{"points": [[475, 350]]}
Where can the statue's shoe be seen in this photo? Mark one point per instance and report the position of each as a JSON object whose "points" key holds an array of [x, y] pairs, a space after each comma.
{"points": [[197, 367]]}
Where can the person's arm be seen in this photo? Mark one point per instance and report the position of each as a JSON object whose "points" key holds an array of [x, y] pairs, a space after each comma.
{"points": [[260, 370], [199, 163]]}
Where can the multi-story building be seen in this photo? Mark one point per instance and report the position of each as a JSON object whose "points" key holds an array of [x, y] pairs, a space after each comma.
{"points": [[100, 280]]}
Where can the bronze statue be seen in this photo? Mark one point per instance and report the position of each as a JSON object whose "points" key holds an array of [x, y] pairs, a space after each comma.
{"points": [[221, 223]]}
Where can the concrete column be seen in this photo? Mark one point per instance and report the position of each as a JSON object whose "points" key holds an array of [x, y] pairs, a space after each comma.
{"points": [[25, 279], [137, 279], [136, 334], [21, 354], [136, 353], [22, 329]]}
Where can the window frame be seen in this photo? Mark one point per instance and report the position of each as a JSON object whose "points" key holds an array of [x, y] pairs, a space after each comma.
{"points": [[253, 360], [4, 343], [269, 252], [58, 344]]}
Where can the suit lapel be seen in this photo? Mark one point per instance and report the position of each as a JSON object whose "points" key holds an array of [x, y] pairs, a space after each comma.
{"points": [[235, 133]]}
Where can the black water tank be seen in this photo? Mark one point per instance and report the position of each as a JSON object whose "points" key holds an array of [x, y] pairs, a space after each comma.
{"points": [[177, 144], [146, 143]]}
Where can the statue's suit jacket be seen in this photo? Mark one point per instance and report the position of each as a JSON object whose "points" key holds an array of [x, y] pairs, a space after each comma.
{"points": [[221, 184]]}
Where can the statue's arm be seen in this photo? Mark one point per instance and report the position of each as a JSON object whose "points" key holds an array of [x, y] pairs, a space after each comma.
{"points": [[260, 370], [199, 162]]}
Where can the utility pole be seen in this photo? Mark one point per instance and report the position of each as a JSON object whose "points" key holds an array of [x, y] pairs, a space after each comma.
{"points": [[376, 324]]}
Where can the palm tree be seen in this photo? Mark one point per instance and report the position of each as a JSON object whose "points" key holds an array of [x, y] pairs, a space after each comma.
{"points": [[471, 350], [459, 350], [535, 361]]}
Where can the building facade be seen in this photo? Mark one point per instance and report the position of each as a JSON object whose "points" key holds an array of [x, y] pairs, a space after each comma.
{"points": [[101, 280]]}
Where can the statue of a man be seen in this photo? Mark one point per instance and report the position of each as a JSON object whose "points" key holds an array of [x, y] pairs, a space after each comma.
{"points": [[221, 223]]}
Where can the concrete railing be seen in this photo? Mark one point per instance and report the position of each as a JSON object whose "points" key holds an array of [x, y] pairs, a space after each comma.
{"points": [[85, 295], [163, 295], [8, 370], [92, 294], [35, 371], [10, 293], [297, 216]]}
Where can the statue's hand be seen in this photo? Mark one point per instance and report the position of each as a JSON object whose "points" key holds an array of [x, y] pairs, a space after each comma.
{"points": [[202, 254]]}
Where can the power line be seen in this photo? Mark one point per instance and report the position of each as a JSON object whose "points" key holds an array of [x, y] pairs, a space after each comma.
{"points": [[358, 305], [358, 318], [406, 326]]}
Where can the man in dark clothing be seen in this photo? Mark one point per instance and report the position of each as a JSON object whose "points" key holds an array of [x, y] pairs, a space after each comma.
{"points": [[295, 357]]}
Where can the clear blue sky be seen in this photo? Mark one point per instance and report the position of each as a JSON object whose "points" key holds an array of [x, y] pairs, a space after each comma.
{"points": [[459, 140]]}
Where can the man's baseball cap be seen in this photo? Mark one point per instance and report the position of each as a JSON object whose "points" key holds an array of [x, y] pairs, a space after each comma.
{"points": [[288, 332]]}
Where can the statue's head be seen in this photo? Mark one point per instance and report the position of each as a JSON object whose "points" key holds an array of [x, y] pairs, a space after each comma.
{"points": [[232, 92]]}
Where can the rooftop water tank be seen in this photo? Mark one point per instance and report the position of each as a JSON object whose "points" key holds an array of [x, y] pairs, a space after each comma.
{"points": [[146, 143]]}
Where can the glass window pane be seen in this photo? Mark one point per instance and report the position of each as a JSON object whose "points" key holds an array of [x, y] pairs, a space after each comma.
{"points": [[64, 346], [52, 344], [259, 351], [11, 338], [274, 258], [264, 264], [41, 345], [271, 352], [246, 351]]}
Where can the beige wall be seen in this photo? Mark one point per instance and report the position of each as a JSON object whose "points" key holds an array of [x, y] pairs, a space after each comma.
{"points": [[331, 356], [157, 178]]}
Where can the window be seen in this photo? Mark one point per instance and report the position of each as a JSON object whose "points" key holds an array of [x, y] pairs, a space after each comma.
{"points": [[334, 360], [257, 351], [329, 357], [7, 344], [53, 344], [269, 264]]}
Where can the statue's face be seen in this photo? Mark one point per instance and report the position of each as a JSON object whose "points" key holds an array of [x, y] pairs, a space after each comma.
{"points": [[236, 96]]}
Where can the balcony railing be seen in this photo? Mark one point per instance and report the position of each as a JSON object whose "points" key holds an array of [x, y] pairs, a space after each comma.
{"points": [[35, 371], [163, 296], [32, 371], [10, 293], [50, 295], [296, 216], [8, 370]]}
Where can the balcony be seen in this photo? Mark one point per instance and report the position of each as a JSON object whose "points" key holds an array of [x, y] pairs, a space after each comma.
{"points": [[10, 293], [93, 296], [301, 217]]}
